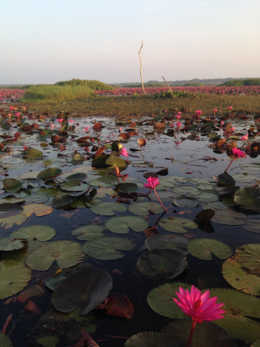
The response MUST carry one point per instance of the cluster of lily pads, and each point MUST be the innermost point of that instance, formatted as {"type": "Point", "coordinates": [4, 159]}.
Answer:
{"type": "Point", "coordinates": [48, 167]}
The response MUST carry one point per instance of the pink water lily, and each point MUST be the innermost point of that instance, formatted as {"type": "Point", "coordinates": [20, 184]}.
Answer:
{"type": "Point", "coordinates": [178, 117]}
{"type": "Point", "coordinates": [178, 125]}
{"type": "Point", "coordinates": [237, 153]}
{"type": "Point", "coordinates": [230, 107]}
{"type": "Point", "coordinates": [52, 126]}
{"type": "Point", "coordinates": [198, 112]}
{"type": "Point", "coordinates": [215, 110]}
{"type": "Point", "coordinates": [179, 113]}
{"type": "Point", "coordinates": [152, 183]}
{"type": "Point", "coordinates": [86, 129]}
{"type": "Point", "coordinates": [244, 138]}
{"type": "Point", "coordinates": [60, 120]}
{"type": "Point", "coordinates": [200, 307]}
{"type": "Point", "coordinates": [124, 152]}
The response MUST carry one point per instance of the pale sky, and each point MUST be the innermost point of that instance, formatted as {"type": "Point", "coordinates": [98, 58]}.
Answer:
{"type": "Point", "coordinates": [45, 41]}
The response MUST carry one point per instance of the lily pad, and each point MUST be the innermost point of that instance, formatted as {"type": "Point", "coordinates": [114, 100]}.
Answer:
{"type": "Point", "coordinates": [240, 278]}
{"type": "Point", "coordinates": [164, 196]}
{"type": "Point", "coordinates": [49, 173]}
{"type": "Point", "coordinates": [32, 154]}
{"type": "Point", "coordinates": [166, 241]}
{"type": "Point", "coordinates": [207, 334]}
{"type": "Point", "coordinates": [11, 244]}
{"type": "Point", "coordinates": [185, 189]}
{"type": "Point", "coordinates": [256, 344]}
{"type": "Point", "coordinates": [66, 253]}
{"type": "Point", "coordinates": [248, 197]}
{"type": "Point", "coordinates": [204, 216]}
{"type": "Point", "coordinates": [74, 186]}
{"type": "Point", "coordinates": [186, 202]}
{"type": "Point", "coordinates": [106, 181]}
{"type": "Point", "coordinates": [249, 256]}
{"type": "Point", "coordinates": [77, 176]}
{"type": "Point", "coordinates": [113, 161]}
{"type": "Point", "coordinates": [107, 208]}
{"type": "Point", "coordinates": [143, 208]}
{"type": "Point", "coordinates": [167, 263]}
{"type": "Point", "coordinates": [239, 308]}
{"type": "Point", "coordinates": [121, 225]}
{"type": "Point", "coordinates": [61, 200]}
{"type": "Point", "coordinates": [5, 341]}
{"type": "Point", "coordinates": [229, 217]}
{"type": "Point", "coordinates": [177, 225]}
{"type": "Point", "coordinates": [9, 222]}
{"type": "Point", "coordinates": [253, 225]}
{"type": "Point", "coordinates": [126, 187]}
{"type": "Point", "coordinates": [48, 341]}
{"type": "Point", "coordinates": [32, 232]}
{"type": "Point", "coordinates": [11, 185]}
{"type": "Point", "coordinates": [204, 248]}
{"type": "Point", "coordinates": [89, 232]}
{"type": "Point", "coordinates": [86, 289]}
{"type": "Point", "coordinates": [9, 209]}
{"type": "Point", "coordinates": [105, 248]}
{"type": "Point", "coordinates": [14, 276]}
{"type": "Point", "coordinates": [225, 179]}
{"type": "Point", "coordinates": [208, 196]}
{"type": "Point", "coordinates": [153, 339]}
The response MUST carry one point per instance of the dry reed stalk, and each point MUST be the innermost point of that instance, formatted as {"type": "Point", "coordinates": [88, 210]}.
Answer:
{"type": "Point", "coordinates": [168, 87]}
{"type": "Point", "coordinates": [141, 67]}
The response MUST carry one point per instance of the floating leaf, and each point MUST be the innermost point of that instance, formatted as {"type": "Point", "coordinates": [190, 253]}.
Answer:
{"type": "Point", "coordinates": [186, 202]}
{"type": "Point", "coordinates": [249, 256]}
{"type": "Point", "coordinates": [177, 225]}
{"type": "Point", "coordinates": [240, 278]}
{"type": "Point", "coordinates": [207, 334]}
{"type": "Point", "coordinates": [74, 186]}
{"type": "Point", "coordinates": [248, 197]}
{"type": "Point", "coordinates": [100, 161]}
{"type": "Point", "coordinates": [10, 244]}
{"type": "Point", "coordinates": [164, 196]}
{"type": "Point", "coordinates": [107, 208]}
{"type": "Point", "coordinates": [229, 217]}
{"type": "Point", "coordinates": [208, 196]}
{"type": "Point", "coordinates": [202, 249]}
{"type": "Point", "coordinates": [121, 225]}
{"type": "Point", "coordinates": [160, 299]}
{"type": "Point", "coordinates": [66, 253]}
{"type": "Point", "coordinates": [143, 208]}
{"type": "Point", "coordinates": [225, 179]}
{"type": "Point", "coordinates": [166, 241]}
{"type": "Point", "coordinates": [253, 225]}
{"type": "Point", "coordinates": [39, 232]}
{"type": "Point", "coordinates": [5, 341]}
{"type": "Point", "coordinates": [77, 176]}
{"type": "Point", "coordinates": [49, 174]}
{"type": "Point", "coordinates": [106, 248]}
{"type": "Point", "coordinates": [61, 200]}
{"type": "Point", "coordinates": [113, 161]}
{"type": "Point", "coordinates": [86, 289]}
{"type": "Point", "coordinates": [32, 154]}
{"type": "Point", "coordinates": [14, 276]}
{"type": "Point", "coordinates": [89, 232]}
{"type": "Point", "coordinates": [40, 210]}
{"type": "Point", "coordinates": [48, 341]}
{"type": "Point", "coordinates": [153, 339]}
{"type": "Point", "coordinates": [239, 307]}
{"type": "Point", "coordinates": [167, 263]}
{"type": "Point", "coordinates": [126, 187]}
{"type": "Point", "coordinates": [256, 344]}
{"type": "Point", "coordinates": [9, 222]}
{"type": "Point", "coordinates": [11, 185]}
{"type": "Point", "coordinates": [9, 209]}
{"type": "Point", "coordinates": [204, 216]}
{"type": "Point", "coordinates": [106, 181]}
{"type": "Point", "coordinates": [185, 189]}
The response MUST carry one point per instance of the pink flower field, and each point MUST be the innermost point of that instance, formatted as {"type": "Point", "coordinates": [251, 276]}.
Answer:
{"type": "Point", "coordinates": [7, 94]}
{"type": "Point", "coordinates": [245, 90]}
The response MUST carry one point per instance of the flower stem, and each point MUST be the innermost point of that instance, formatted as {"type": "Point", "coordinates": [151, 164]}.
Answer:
{"type": "Point", "coordinates": [160, 201]}
{"type": "Point", "coordinates": [191, 333]}
{"type": "Point", "coordinates": [229, 165]}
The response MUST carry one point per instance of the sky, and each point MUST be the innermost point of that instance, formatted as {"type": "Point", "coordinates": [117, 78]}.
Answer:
{"type": "Point", "coordinates": [46, 41]}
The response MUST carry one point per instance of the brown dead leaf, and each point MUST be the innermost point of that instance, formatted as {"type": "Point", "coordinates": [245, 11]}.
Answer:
{"type": "Point", "coordinates": [40, 210]}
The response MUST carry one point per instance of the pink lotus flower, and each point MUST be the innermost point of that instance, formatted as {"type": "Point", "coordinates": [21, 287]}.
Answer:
{"type": "Point", "coordinates": [215, 110]}
{"type": "Point", "coordinates": [86, 129]}
{"type": "Point", "coordinates": [222, 122]}
{"type": "Point", "coordinates": [179, 113]}
{"type": "Point", "coordinates": [18, 114]}
{"type": "Point", "coordinates": [52, 126]}
{"type": "Point", "coordinates": [165, 111]}
{"type": "Point", "coordinates": [199, 307]}
{"type": "Point", "coordinates": [124, 152]}
{"type": "Point", "coordinates": [244, 138]}
{"type": "Point", "coordinates": [24, 108]}
{"type": "Point", "coordinates": [152, 184]}
{"type": "Point", "coordinates": [178, 117]}
{"type": "Point", "coordinates": [198, 112]}
{"type": "Point", "coordinates": [230, 107]}
{"type": "Point", "coordinates": [178, 125]}
{"type": "Point", "coordinates": [60, 120]}
{"type": "Point", "coordinates": [238, 154]}
{"type": "Point", "coordinates": [233, 129]}
{"type": "Point", "coordinates": [11, 108]}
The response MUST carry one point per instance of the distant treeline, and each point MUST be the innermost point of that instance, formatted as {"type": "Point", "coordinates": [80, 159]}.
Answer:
{"type": "Point", "coordinates": [247, 82]}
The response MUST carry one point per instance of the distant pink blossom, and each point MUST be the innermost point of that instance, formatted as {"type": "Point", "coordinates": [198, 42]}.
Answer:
{"type": "Point", "coordinates": [222, 122]}
{"type": "Point", "coordinates": [178, 125]}
{"type": "Point", "coordinates": [178, 117]}
{"type": "Point", "coordinates": [230, 107]}
{"type": "Point", "coordinates": [179, 113]}
{"type": "Point", "coordinates": [152, 182]}
{"type": "Point", "coordinates": [215, 110]}
{"type": "Point", "coordinates": [86, 129]}
{"type": "Point", "coordinates": [198, 112]}
{"type": "Point", "coordinates": [124, 152]}
{"type": "Point", "coordinates": [244, 138]}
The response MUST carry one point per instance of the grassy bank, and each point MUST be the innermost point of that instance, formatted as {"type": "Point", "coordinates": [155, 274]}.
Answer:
{"type": "Point", "coordinates": [55, 94]}
{"type": "Point", "coordinates": [130, 106]}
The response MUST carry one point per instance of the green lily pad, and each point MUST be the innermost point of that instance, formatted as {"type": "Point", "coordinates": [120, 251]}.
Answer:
{"type": "Point", "coordinates": [177, 225]}
{"type": "Point", "coordinates": [14, 276]}
{"type": "Point", "coordinates": [229, 217]}
{"type": "Point", "coordinates": [48, 341]}
{"type": "Point", "coordinates": [49, 174]}
{"type": "Point", "coordinates": [77, 176]}
{"type": "Point", "coordinates": [74, 186]}
{"type": "Point", "coordinates": [107, 208]}
{"type": "Point", "coordinates": [166, 241]}
{"type": "Point", "coordinates": [253, 225]}
{"type": "Point", "coordinates": [153, 339]}
{"type": "Point", "coordinates": [167, 263]}
{"type": "Point", "coordinates": [112, 162]}
{"type": "Point", "coordinates": [208, 196]}
{"type": "Point", "coordinates": [239, 308]}
{"type": "Point", "coordinates": [9, 222]}
{"type": "Point", "coordinates": [143, 208]}
{"type": "Point", "coordinates": [121, 225]}
{"type": "Point", "coordinates": [5, 341]}
{"type": "Point", "coordinates": [86, 289]}
{"type": "Point", "coordinates": [185, 189]}
{"type": "Point", "coordinates": [160, 300]}
{"type": "Point", "coordinates": [77, 158]}
{"type": "Point", "coordinates": [207, 334]}
{"type": "Point", "coordinates": [225, 179]}
{"type": "Point", "coordinates": [10, 244]}
{"type": "Point", "coordinates": [49, 192]}
{"type": "Point", "coordinates": [89, 232]}
{"type": "Point", "coordinates": [105, 181]}
{"type": "Point", "coordinates": [39, 232]}
{"type": "Point", "coordinates": [164, 196]}
{"type": "Point", "coordinates": [100, 161]}
{"type": "Point", "coordinates": [186, 202]}
{"type": "Point", "coordinates": [105, 248]}
{"type": "Point", "coordinates": [126, 187]}
{"type": "Point", "coordinates": [256, 344]}
{"type": "Point", "coordinates": [249, 256]}
{"type": "Point", "coordinates": [204, 216]}
{"type": "Point", "coordinates": [240, 278]}
{"type": "Point", "coordinates": [248, 197]}
{"type": "Point", "coordinates": [204, 248]}
{"type": "Point", "coordinates": [32, 154]}
{"type": "Point", "coordinates": [61, 200]}
{"type": "Point", "coordinates": [66, 253]}
{"type": "Point", "coordinates": [11, 185]}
